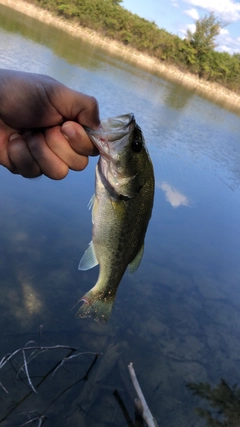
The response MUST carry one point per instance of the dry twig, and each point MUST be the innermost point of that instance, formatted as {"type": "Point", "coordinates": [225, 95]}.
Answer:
{"type": "Point", "coordinates": [141, 403]}
{"type": "Point", "coordinates": [35, 350]}
{"type": "Point", "coordinates": [40, 420]}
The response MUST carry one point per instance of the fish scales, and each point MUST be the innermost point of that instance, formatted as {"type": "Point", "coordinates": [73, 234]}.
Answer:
{"type": "Point", "coordinates": [122, 206]}
{"type": "Point", "coordinates": [126, 231]}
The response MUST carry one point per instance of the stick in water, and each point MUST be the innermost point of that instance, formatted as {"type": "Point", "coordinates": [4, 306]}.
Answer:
{"type": "Point", "coordinates": [141, 404]}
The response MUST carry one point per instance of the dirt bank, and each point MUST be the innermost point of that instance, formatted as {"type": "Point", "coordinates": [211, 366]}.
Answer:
{"type": "Point", "coordinates": [212, 91]}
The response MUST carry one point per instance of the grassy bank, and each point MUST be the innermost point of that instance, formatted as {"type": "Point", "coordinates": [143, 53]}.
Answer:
{"type": "Point", "coordinates": [211, 90]}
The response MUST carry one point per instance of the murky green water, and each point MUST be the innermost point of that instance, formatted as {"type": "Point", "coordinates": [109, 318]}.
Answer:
{"type": "Point", "coordinates": [177, 318]}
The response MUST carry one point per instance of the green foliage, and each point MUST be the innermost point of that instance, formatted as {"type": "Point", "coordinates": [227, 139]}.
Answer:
{"type": "Point", "coordinates": [224, 400]}
{"type": "Point", "coordinates": [195, 54]}
{"type": "Point", "coordinates": [207, 29]}
{"type": "Point", "coordinates": [203, 41]}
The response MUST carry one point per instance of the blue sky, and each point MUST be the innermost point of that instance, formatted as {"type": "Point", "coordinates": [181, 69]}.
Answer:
{"type": "Point", "coordinates": [176, 16]}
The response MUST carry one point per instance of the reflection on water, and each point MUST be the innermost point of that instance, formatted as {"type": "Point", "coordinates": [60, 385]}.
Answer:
{"type": "Point", "coordinates": [177, 317]}
{"type": "Point", "coordinates": [61, 44]}
{"type": "Point", "coordinates": [178, 97]}
{"type": "Point", "coordinates": [173, 196]}
{"type": "Point", "coordinates": [225, 401]}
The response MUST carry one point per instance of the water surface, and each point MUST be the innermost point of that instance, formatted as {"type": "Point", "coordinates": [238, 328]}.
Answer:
{"type": "Point", "coordinates": [177, 317]}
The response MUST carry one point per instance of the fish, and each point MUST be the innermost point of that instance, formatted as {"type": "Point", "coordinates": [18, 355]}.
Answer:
{"type": "Point", "coordinates": [121, 210]}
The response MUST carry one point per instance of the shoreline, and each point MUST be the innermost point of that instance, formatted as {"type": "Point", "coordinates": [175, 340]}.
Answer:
{"type": "Point", "coordinates": [212, 91]}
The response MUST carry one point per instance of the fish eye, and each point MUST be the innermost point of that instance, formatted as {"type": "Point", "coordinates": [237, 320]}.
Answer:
{"type": "Point", "coordinates": [137, 145]}
{"type": "Point", "coordinates": [137, 141]}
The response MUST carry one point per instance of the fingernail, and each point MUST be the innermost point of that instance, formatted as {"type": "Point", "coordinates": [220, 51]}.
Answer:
{"type": "Point", "coordinates": [68, 131]}
{"type": "Point", "coordinates": [13, 136]}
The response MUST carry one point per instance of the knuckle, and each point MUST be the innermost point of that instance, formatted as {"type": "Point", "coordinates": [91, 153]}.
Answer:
{"type": "Point", "coordinates": [94, 105]}
{"type": "Point", "coordinates": [52, 136]}
{"type": "Point", "coordinates": [93, 102]}
{"type": "Point", "coordinates": [59, 173]}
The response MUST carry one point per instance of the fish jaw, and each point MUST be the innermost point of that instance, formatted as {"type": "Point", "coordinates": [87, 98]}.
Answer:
{"type": "Point", "coordinates": [120, 164]}
{"type": "Point", "coordinates": [112, 135]}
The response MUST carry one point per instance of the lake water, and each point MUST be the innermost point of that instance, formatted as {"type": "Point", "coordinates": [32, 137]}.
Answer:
{"type": "Point", "coordinates": [177, 318]}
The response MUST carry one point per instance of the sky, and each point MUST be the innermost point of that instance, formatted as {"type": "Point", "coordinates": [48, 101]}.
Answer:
{"type": "Point", "coordinates": [176, 16]}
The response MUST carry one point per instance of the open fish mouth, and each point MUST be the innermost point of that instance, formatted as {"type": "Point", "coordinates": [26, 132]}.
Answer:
{"type": "Point", "coordinates": [118, 124]}
{"type": "Point", "coordinates": [111, 130]}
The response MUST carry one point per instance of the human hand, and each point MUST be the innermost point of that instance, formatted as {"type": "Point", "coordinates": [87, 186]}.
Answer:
{"type": "Point", "coordinates": [41, 125]}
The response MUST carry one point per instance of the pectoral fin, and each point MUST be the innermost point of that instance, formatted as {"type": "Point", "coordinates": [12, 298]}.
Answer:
{"type": "Point", "coordinates": [93, 204]}
{"type": "Point", "coordinates": [88, 259]}
{"type": "Point", "coordinates": [133, 266]}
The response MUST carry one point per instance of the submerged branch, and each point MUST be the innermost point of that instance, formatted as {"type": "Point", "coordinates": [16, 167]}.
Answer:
{"type": "Point", "coordinates": [141, 403]}
{"type": "Point", "coordinates": [6, 358]}
{"type": "Point", "coordinates": [36, 350]}
{"type": "Point", "coordinates": [42, 417]}
{"type": "Point", "coordinates": [123, 408]}
{"type": "Point", "coordinates": [40, 420]}
{"type": "Point", "coordinates": [27, 373]}
{"type": "Point", "coordinates": [67, 358]}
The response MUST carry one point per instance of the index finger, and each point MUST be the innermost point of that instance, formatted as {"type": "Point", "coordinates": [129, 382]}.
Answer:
{"type": "Point", "coordinates": [77, 106]}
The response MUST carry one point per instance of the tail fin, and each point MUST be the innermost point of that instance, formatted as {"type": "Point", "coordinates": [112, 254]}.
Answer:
{"type": "Point", "coordinates": [97, 306]}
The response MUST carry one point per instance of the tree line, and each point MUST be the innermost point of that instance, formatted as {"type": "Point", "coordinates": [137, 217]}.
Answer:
{"type": "Point", "coordinates": [196, 53]}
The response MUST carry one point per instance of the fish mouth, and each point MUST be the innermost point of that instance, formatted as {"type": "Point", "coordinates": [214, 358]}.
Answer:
{"type": "Point", "coordinates": [119, 124]}
{"type": "Point", "coordinates": [110, 130]}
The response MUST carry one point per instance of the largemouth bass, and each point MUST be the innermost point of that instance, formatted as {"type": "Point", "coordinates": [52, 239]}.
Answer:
{"type": "Point", "coordinates": [121, 209]}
